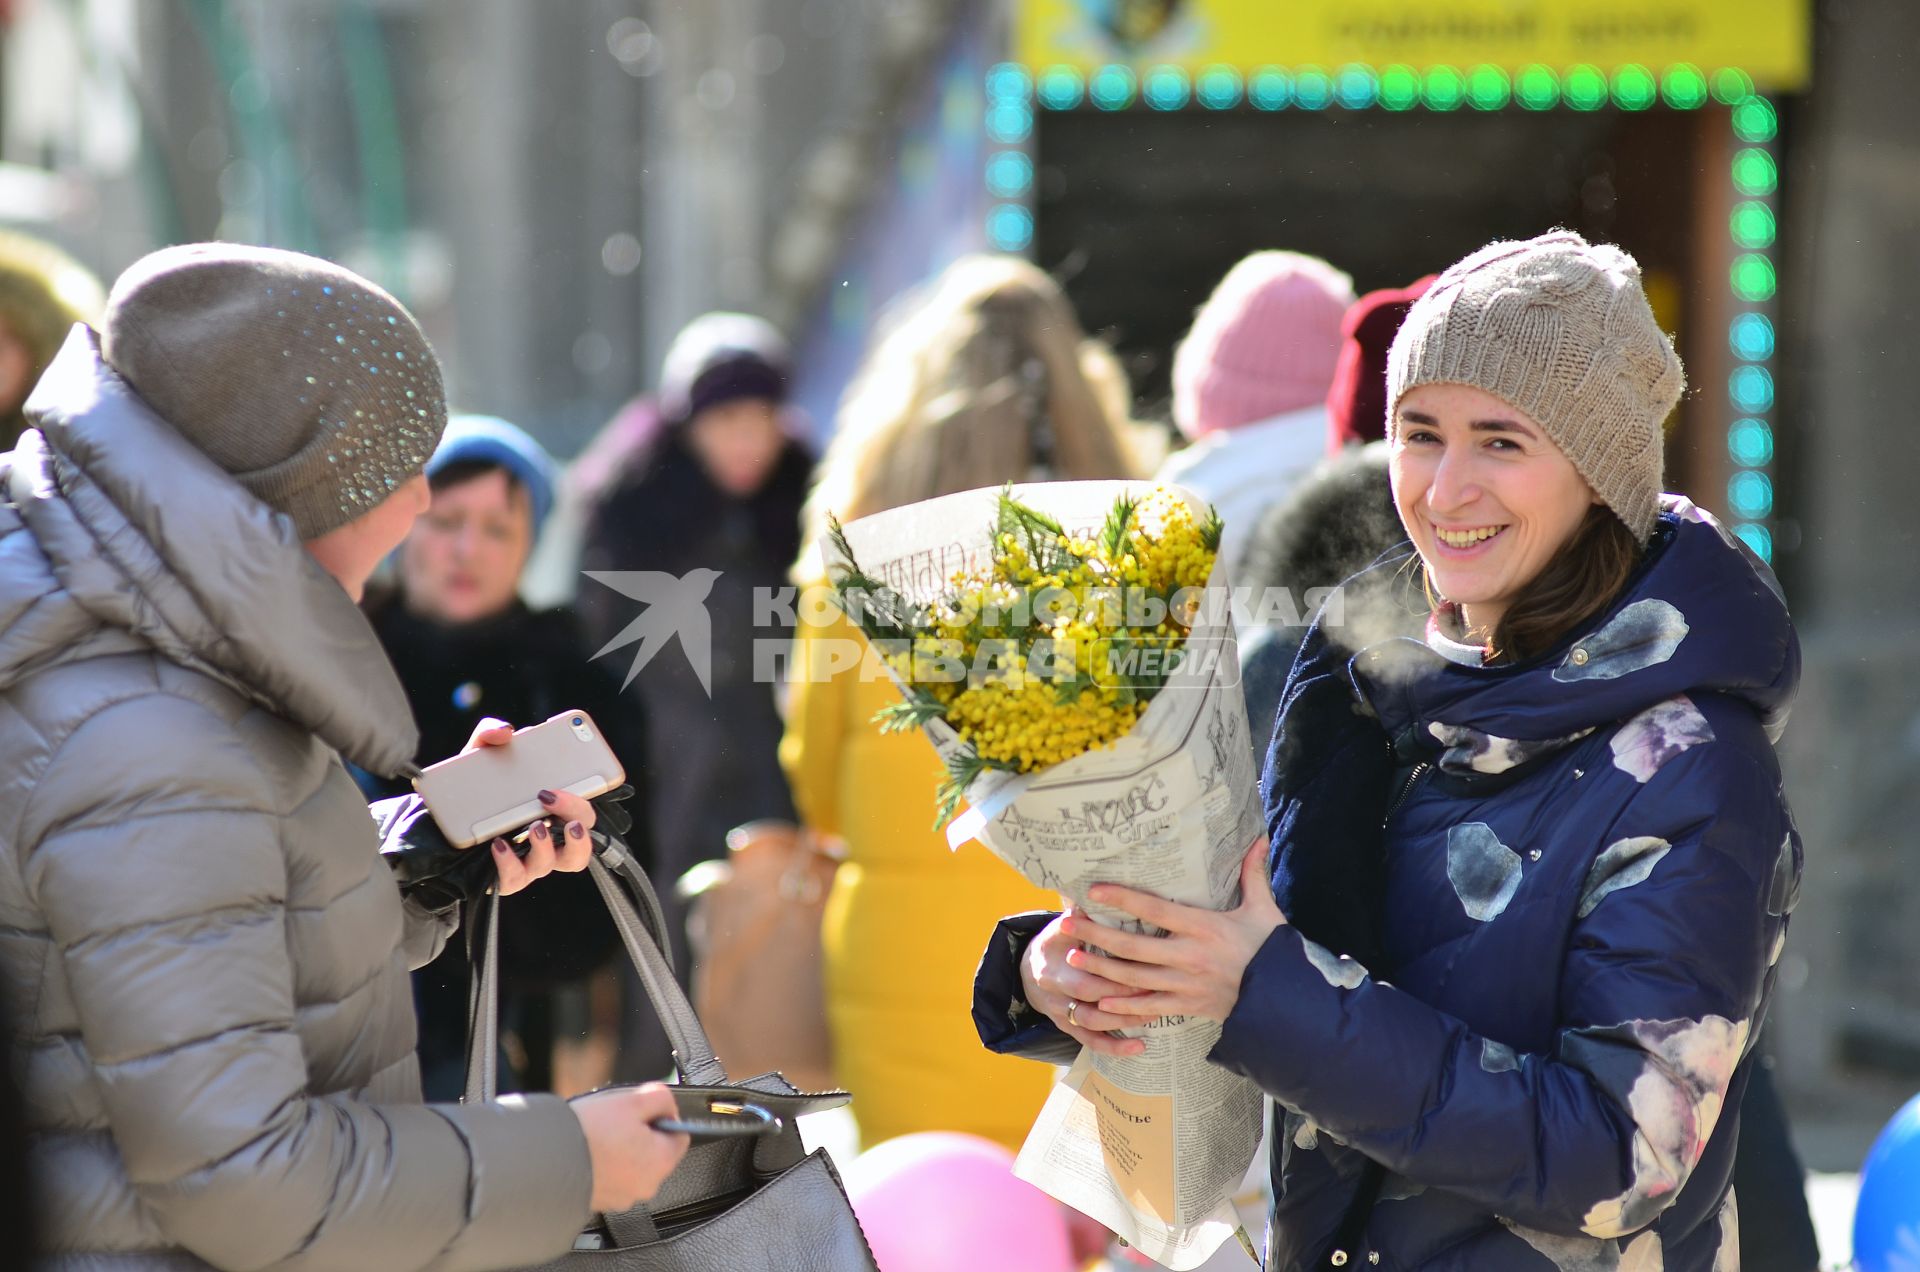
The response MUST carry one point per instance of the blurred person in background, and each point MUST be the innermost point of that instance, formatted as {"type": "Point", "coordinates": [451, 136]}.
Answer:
{"type": "Point", "coordinates": [986, 378]}
{"type": "Point", "coordinates": [207, 951]}
{"type": "Point", "coordinates": [1250, 386]}
{"type": "Point", "coordinates": [1357, 399]}
{"type": "Point", "coordinates": [711, 480]}
{"type": "Point", "coordinates": [468, 649]}
{"type": "Point", "coordinates": [1340, 518]}
{"type": "Point", "coordinates": [43, 292]}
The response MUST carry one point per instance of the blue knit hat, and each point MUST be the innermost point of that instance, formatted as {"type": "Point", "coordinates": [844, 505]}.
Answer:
{"type": "Point", "coordinates": [486, 439]}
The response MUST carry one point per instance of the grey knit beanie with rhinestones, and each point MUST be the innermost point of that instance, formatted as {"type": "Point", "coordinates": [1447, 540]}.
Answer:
{"type": "Point", "coordinates": [314, 388]}
{"type": "Point", "coordinates": [1561, 329]}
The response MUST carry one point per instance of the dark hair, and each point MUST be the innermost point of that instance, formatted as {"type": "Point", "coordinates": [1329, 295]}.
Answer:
{"type": "Point", "coordinates": [462, 471]}
{"type": "Point", "coordinates": [1582, 579]}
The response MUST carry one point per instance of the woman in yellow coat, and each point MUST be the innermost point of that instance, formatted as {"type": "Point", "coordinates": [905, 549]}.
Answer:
{"type": "Point", "coordinates": [987, 379]}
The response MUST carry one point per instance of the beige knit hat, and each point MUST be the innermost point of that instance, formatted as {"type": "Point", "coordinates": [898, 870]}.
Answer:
{"type": "Point", "coordinates": [314, 388]}
{"type": "Point", "coordinates": [1560, 328]}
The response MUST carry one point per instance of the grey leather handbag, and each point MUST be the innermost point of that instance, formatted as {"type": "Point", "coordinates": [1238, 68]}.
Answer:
{"type": "Point", "coordinates": [747, 1197]}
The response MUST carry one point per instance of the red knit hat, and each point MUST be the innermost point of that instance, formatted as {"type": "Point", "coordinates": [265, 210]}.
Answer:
{"type": "Point", "coordinates": [1357, 402]}
{"type": "Point", "coordinates": [1264, 343]}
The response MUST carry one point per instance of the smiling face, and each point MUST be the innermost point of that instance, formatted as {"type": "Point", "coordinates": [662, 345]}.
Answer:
{"type": "Point", "coordinates": [1484, 493]}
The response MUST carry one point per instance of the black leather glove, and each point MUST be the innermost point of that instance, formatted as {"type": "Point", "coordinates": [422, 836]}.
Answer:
{"type": "Point", "coordinates": [438, 876]}
{"type": "Point", "coordinates": [430, 871]}
{"type": "Point", "coordinates": [610, 812]}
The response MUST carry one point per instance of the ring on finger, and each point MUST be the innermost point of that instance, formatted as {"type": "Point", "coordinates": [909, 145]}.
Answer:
{"type": "Point", "coordinates": [1073, 1005]}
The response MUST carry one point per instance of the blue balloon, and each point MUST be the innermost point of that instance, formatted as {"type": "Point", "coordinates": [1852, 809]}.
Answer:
{"type": "Point", "coordinates": [1886, 1224]}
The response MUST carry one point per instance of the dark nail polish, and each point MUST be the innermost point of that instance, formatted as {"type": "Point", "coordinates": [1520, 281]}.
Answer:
{"type": "Point", "coordinates": [539, 830]}
{"type": "Point", "coordinates": [576, 830]}
{"type": "Point", "coordinates": [500, 846]}
{"type": "Point", "coordinates": [548, 797]}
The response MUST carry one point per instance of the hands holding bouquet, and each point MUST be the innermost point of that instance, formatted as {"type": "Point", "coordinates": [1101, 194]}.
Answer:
{"type": "Point", "coordinates": [1090, 978]}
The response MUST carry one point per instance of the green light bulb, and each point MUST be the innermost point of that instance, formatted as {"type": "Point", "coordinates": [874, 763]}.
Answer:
{"type": "Point", "coordinates": [1754, 172]}
{"type": "Point", "coordinates": [1269, 88]}
{"type": "Point", "coordinates": [1008, 79]}
{"type": "Point", "coordinates": [1759, 538]}
{"type": "Point", "coordinates": [1165, 88]}
{"type": "Point", "coordinates": [1750, 442]}
{"type": "Point", "coordinates": [1111, 87]}
{"type": "Point", "coordinates": [1633, 87]}
{"type": "Point", "coordinates": [1445, 89]}
{"type": "Point", "coordinates": [1060, 88]}
{"type": "Point", "coordinates": [1009, 122]}
{"type": "Point", "coordinates": [1009, 174]}
{"type": "Point", "coordinates": [1750, 336]}
{"type": "Point", "coordinates": [1684, 88]}
{"type": "Point", "coordinates": [1731, 85]}
{"type": "Point", "coordinates": [1537, 87]}
{"type": "Point", "coordinates": [1312, 90]}
{"type": "Point", "coordinates": [1585, 88]}
{"type": "Point", "coordinates": [1750, 388]}
{"type": "Point", "coordinates": [1752, 277]}
{"type": "Point", "coordinates": [1752, 225]}
{"type": "Point", "coordinates": [1399, 87]}
{"type": "Point", "coordinates": [1750, 494]}
{"type": "Point", "coordinates": [1218, 88]}
{"type": "Point", "coordinates": [1355, 87]}
{"type": "Point", "coordinates": [1754, 120]}
{"type": "Point", "coordinates": [1010, 228]}
{"type": "Point", "coordinates": [1487, 88]}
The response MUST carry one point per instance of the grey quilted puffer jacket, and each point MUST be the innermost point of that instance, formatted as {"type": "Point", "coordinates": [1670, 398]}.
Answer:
{"type": "Point", "coordinates": [204, 955]}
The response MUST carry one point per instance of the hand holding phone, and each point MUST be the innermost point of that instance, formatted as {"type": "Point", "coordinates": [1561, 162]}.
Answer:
{"type": "Point", "coordinates": [493, 788]}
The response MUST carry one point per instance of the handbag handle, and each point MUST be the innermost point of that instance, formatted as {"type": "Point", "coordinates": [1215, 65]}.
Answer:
{"type": "Point", "coordinates": [641, 928]}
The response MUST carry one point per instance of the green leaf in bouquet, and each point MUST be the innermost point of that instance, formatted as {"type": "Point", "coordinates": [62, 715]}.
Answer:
{"type": "Point", "coordinates": [916, 709]}
{"type": "Point", "coordinates": [1121, 653]}
{"type": "Point", "coordinates": [964, 767]}
{"type": "Point", "coordinates": [1067, 691]}
{"type": "Point", "coordinates": [1114, 536]}
{"type": "Point", "coordinates": [1211, 529]}
{"type": "Point", "coordinates": [1044, 538]}
{"type": "Point", "coordinates": [881, 613]}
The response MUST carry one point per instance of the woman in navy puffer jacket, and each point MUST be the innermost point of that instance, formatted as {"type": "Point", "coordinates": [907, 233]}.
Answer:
{"type": "Point", "coordinates": [1531, 861]}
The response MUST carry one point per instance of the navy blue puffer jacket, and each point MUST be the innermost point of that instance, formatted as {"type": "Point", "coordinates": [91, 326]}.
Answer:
{"type": "Point", "coordinates": [1511, 1029]}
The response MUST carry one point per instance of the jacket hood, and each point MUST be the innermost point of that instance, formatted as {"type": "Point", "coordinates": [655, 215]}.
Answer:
{"type": "Point", "coordinates": [1702, 614]}
{"type": "Point", "coordinates": [117, 535]}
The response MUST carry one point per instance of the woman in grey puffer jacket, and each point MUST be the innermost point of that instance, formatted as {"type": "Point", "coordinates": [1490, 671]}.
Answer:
{"type": "Point", "coordinates": [204, 954]}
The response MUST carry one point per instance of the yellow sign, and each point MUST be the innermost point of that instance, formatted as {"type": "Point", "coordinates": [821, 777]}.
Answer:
{"type": "Point", "coordinates": [1767, 39]}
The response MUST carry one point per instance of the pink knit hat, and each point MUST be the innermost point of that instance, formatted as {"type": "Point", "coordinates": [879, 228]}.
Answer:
{"type": "Point", "coordinates": [1265, 343]}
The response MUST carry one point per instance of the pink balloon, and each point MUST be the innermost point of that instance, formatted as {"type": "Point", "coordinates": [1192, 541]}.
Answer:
{"type": "Point", "coordinates": [940, 1201]}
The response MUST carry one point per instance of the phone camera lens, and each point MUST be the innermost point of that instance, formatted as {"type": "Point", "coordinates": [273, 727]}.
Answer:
{"type": "Point", "coordinates": [579, 720]}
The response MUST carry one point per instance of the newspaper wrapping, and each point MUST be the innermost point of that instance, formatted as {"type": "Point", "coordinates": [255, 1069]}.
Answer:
{"type": "Point", "coordinates": [1154, 1146]}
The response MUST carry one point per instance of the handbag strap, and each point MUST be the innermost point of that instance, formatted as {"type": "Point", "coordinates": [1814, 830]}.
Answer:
{"type": "Point", "coordinates": [481, 922]}
{"type": "Point", "coordinates": [697, 1063]}
{"type": "Point", "coordinates": [642, 930]}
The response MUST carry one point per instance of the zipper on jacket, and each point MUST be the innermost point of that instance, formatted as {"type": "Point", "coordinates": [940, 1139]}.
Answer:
{"type": "Point", "coordinates": [1413, 779]}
